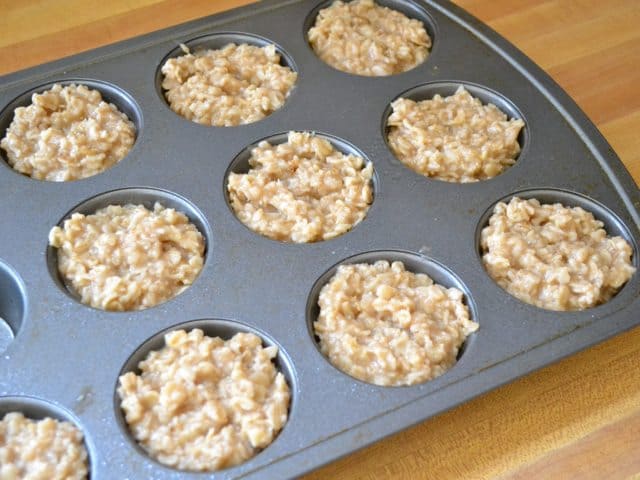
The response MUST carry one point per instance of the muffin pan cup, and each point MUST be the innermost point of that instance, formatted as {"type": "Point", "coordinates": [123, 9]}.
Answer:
{"type": "Point", "coordinates": [36, 409]}
{"type": "Point", "coordinates": [70, 355]}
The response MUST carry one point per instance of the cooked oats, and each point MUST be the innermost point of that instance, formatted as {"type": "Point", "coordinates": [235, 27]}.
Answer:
{"type": "Point", "coordinates": [234, 85]}
{"type": "Point", "coordinates": [67, 133]}
{"type": "Point", "coordinates": [388, 326]}
{"type": "Point", "coordinates": [364, 38]}
{"type": "Point", "coordinates": [202, 403]}
{"type": "Point", "coordinates": [455, 138]}
{"type": "Point", "coordinates": [127, 257]}
{"type": "Point", "coordinates": [553, 256]}
{"type": "Point", "coordinates": [41, 449]}
{"type": "Point", "coordinates": [302, 190]}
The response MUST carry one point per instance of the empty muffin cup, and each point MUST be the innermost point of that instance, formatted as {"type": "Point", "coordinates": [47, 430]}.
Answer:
{"type": "Point", "coordinates": [13, 304]}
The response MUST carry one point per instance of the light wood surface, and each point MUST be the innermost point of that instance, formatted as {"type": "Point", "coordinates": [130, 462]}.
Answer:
{"type": "Point", "coordinates": [579, 418]}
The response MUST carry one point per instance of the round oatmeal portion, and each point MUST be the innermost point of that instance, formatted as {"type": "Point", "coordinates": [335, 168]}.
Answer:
{"type": "Point", "coordinates": [364, 38]}
{"type": "Point", "coordinates": [388, 326]}
{"type": "Point", "coordinates": [231, 86]}
{"type": "Point", "coordinates": [454, 138]}
{"type": "Point", "coordinates": [553, 256]}
{"type": "Point", "coordinates": [67, 133]}
{"type": "Point", "coordinates": [202, 403]}
{"type": "Point", "coordinates": [41, 449]}
{"type": "Point", "coordinates": [303, 190]}
{"type": "Point", "coordinates": [127, 257]}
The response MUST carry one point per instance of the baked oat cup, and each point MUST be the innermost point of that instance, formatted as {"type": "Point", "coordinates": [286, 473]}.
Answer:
{"type": "Point", "coordinates": [226, 79]}
{"type": "Point", "coordinates": [205, 395]}
{"type": "Point", "coordinates": [390, 324]}
{"type": "Point", "coordinates": [370, 38]}
{"type": "Point", "coordinates": [69, 130]}
{"type": "Point", "coordinates": [39, 440]}
{"type": "Point", "coordinates": [556, 250]}
{"type": "Point", "coordinates": [300, 187]}
{"type": "Point", "coordinates": [455, 131]}
{"type": "Point", "coordinates": [129, 249]}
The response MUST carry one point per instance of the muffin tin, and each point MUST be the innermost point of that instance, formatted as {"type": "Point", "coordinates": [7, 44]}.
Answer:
{"type": "Point", "coordinates": [63, 359]}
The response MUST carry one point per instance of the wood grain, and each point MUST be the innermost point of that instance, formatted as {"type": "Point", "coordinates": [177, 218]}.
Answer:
{"type": "Point", "coordinates": [579, 418]}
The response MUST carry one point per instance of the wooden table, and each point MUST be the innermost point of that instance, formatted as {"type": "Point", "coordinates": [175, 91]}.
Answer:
{"type": "Point", "coordinates": [579, 418]}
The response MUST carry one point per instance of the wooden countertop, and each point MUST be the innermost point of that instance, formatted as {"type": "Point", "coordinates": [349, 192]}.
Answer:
{"type": "Point", "coordinates": [579, 418]}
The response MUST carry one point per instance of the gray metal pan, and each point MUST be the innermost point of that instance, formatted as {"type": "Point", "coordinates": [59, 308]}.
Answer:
{"type": "Point", "coordinates": [65, 358]}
